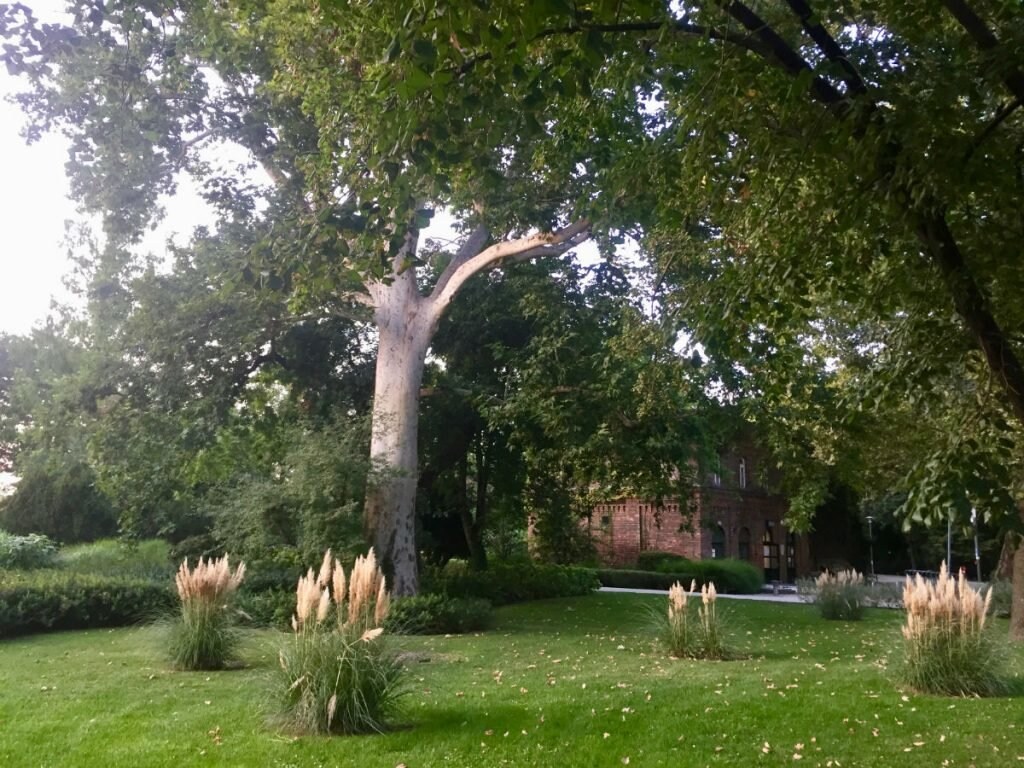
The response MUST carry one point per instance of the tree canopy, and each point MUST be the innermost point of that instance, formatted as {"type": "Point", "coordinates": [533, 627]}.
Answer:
{"type": "Point", "coordinates": [821, 186]}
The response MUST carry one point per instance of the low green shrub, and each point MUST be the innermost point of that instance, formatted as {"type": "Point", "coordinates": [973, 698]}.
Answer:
{"type": "Point", "coordinates": [336, 674]}
{"type": "Point", "coordinates": [840, 596]}
{"type": "Point", "coordinates": [46, 600]}
{"type": "Point", "coordinates": [438, 615]}
{"type": "Point", "coordinates": [269, 608]}
{"type": "Point", "coordinates": [734, 576]}
{"type": "Point", "coordinates": [505, 583]}
{"type": "Point", "coordinates": [947, 649]}
{"type": "Point", "coordinates": [663, 562]}
{"type": "Point", "coordinates": [147, 559]}
{"type": "Point", "coordinates": [26, 552]}
{"type": "Point", "coordinates": [203, 635]}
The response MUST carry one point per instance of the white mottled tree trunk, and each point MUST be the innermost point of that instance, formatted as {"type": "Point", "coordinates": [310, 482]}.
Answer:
{"type": "Point", "coordinates": [406, 321]}
{"type": "Point", "coordinates": [404, 334]}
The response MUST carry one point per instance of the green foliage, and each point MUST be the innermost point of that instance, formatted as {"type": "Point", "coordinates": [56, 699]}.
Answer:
{"type": "Point", "coordinates": [731, 576]}
{"type": "Point", "coordinates": [839, 596]}
{"type": "Point", "coordinates": [148, 559]}
{"type": "Point", "coordinates": [42, 601]}
{"type": "Point", "coordinates": [506, 583]}
{"type": "Point", "coordinates": [437, 614]}
{"type": "Point", "coordinates": [61, 502]}
{"type": "Point", "coordinates": [312, 499]}
{"type": "Point", "coordinates": [269, 607]}
{"type": "Point", "coordinates": [26, 552]}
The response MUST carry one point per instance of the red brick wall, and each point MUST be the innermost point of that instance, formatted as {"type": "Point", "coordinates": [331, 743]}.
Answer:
{"type": "Point", "coordinates": [622, 529]}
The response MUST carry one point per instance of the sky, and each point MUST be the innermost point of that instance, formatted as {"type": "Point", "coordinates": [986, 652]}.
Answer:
{"type": "Point", "coordinates": [35, 209]}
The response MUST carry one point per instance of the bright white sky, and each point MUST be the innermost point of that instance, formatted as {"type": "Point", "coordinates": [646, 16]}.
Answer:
{"type": "Point", "coordinates": [34, 209]}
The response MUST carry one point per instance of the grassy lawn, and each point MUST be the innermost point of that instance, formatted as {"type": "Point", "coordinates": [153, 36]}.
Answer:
{"type": "Point", "coordinates": [576, 682]}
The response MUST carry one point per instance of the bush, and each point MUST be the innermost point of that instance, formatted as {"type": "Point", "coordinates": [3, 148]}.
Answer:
{"type": "Point", "coordinates": [48, 600]}
{"type": "Point", "coordinates": [203, 634]}
{"type": "Point", "coordinates": [337, 675]}
{"type": "Point", "coordinates": [734, 576]}
{"type": "Point", "coordinates": [268, 608]}
{"type": "Point", "coordinates": [26, 552]}
{"type": "Point", "coordinates": [839, 596]}
{"type": "Point", "coordinates": [148, 559]}
{"type": "Point", "coordinates": [946, 647]}
{"type": "Point", "coordinates": [438, 615]}
{"type": "Point", "coordinates": [507, 583]}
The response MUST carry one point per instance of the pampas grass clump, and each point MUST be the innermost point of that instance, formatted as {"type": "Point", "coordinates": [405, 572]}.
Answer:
{"type": "Point", "coordinates": [947, 649]}
{"type": "Point", "coordinates": [687, 637]}
{"type": "Point", "coordinates": [840, 596]}
{"type": "Point", "coordinates": [203, 634]}
{"type": "Point", "coordinates": [337, 676]}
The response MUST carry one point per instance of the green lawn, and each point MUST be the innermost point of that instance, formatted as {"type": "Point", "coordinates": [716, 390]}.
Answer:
{"type": "Point", "coordinates": [576, 682]}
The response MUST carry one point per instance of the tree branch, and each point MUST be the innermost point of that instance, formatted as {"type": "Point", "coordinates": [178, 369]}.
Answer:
{"type": "Point", "coordinates": [828, 46]}
{"type": "Point", "coordinates": [1004, 112]}
{"type": "Point", "coordinates": [543, 244]}
{"type": "Point", "coordinates": [986, 41]}
{"type": "Point", "coordinates": [787, 58]}
{"type": "Point", "coordinates": [473, 245]}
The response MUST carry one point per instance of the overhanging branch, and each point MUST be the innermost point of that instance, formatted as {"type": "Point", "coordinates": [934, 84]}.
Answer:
{"type": "Point", "coordinates": [532, 246]}
{"type": "Point", "coordinates": [986, 41]}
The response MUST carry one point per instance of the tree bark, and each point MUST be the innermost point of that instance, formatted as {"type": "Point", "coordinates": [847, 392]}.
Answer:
{"type": "Point", "coordinates": [390, 505]}
{"type": "Point", "coordinates": [406, 321]}
{"type": "Point", "coordinates": [1017, 599]}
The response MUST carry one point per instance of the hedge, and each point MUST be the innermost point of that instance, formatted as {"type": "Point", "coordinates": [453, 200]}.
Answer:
{"type": "Point", "coordinates": [506, 583]}
{"type": "Point", "coordinates": [438, 615]}
{"type": "Point", "coordinates": [41, 601]}
{"type": "Point", "coordinates": [729, 576]}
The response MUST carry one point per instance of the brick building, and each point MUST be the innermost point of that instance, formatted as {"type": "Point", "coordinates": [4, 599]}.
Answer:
{"type": "Point", "coordinates": [732, 514]}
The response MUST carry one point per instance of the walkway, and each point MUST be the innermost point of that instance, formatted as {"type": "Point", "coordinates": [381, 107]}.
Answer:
{"type": "Point", "coordinates": [767, 597]}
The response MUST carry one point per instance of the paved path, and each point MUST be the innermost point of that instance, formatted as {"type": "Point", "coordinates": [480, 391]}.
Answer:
{"type": "Point", "coordinates": [768, 597]}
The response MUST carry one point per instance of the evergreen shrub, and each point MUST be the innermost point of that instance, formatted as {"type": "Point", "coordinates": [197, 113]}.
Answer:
{"type": "Point", "coordinates": [48, 600]}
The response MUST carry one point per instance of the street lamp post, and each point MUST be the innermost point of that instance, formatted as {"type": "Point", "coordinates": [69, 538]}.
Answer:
{"type": "Point", "coordinates": [871, 547]}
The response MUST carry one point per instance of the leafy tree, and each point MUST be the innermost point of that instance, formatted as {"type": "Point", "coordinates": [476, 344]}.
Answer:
{"type": "Point", "coordinates": [61, 502]}
{"type": "Point", "coordinates": [817, 156]}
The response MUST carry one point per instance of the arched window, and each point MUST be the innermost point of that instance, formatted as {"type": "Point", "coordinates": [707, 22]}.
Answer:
{"type": "Point", "coordinates": [743, 473]}
{"type": "Point", "coordinates": [790, 555]}
{"type": "Point", "coordinates": [716, 472]}
{"type": "Point", "coordinates": [770, 552]}
{"type": "Point", "coordinates": [744, 542]}
{"type": "Point", "coordinates": [718, 542]}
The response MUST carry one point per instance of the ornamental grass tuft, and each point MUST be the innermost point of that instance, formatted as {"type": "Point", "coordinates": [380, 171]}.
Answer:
{"type": "Point", "coordinates": [687, 637]}
{"type": "Point", "coordinates": [947, 649]}
{"type": "Point", "coordinates": [839, 596]}
{"type": "Point", "coordinates": [203, 635]}
{"type": "Point", "coordinates": [337, 675]}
